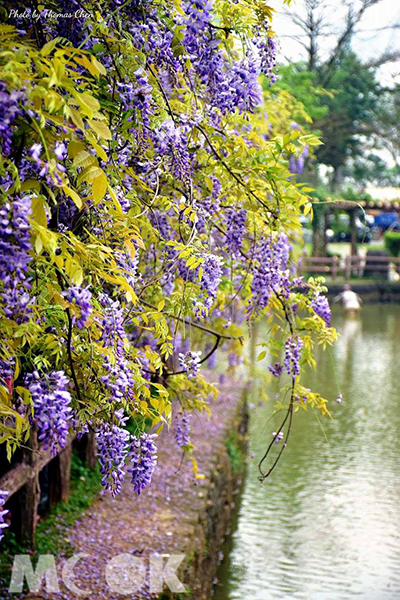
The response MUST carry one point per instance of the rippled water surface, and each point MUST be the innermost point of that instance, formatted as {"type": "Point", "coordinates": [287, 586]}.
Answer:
{"type": "Point", "coordinates": [326, 526]}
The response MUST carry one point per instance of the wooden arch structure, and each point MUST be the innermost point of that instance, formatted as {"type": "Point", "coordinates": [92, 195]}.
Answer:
{"type": "Point", "coordinates": [352, 207]}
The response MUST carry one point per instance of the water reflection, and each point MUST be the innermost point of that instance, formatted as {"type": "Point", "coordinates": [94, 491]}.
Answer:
{"type": "Point", "coordinates": [326, 525]}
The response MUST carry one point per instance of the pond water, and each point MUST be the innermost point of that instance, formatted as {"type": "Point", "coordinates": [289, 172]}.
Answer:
{"type": "Point", "coordinates": [326, 525]}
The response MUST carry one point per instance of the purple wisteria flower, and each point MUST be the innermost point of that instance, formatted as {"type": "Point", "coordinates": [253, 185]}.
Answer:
{"type": "Point", "coordinates": [212, 360]}
{"type": "Point", "coordinates": [136, 96]}
{"type": "Point", "coordinates": [293, 346]}
{"type": "Point", "coordinates": [296, 163]}
{"type": "Point", "coordinates": [270, 273]}
{"type": "Point", "coordinates": [81, 297]}
{"type": "Point", "coordinates": [6, 374]}
{"type": "Point", "coordinates": [51, 408]}
{"type": "Point", "coordinates": [234, 360]}
{"type": "Point", "coordinates": [129, 266]}
{"type": "Point", "coordinates": [10, 109]}
{"type": "Point", "coordinates": [77, 426]}
{"type": "Point", "coordinates": [119, 378]}
{"type": "Point", "coordinates": [278, 437]}
{"type": "Point", "coordinates": [112, 324]}
{"type": "Point", "coordinates": [15, 257]}
{"type": "Point", "coordinates": [3, 524]}
{"type": "Point", "coordinates": [190, 362]}
{"type": "Point", "coordinates": [60, 151]}
{"type": "Point", "coordinates": [246, 88]}
{"type": "Point", "coordinates": [267, 48]}
{"type": "Point", "coordinates": [320, 306]}
{"type": "Point", "coordinates": [170, 141]}
{"type": "Point", "coordinates": [276, 369]}
{"type": "Point", "coordinates": [142, 457]}
{"type": "Point", "coordinates": [212, 276]}
{"type": "Point", "coordinates": [235, 221]}
{"type": "Point", "coordinates": [112, 449]}
{"type": "Point", "coordinates": [182, 430]}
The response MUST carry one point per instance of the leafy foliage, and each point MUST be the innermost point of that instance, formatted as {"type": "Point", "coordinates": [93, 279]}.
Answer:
{"type": "Point", "coordinates": [127, 144]}
{"type": "Point", "coordinates": [392, 242]}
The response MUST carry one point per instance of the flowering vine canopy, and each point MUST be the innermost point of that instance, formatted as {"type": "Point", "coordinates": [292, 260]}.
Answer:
{"type": "Point", "coordinates": [147, 216]}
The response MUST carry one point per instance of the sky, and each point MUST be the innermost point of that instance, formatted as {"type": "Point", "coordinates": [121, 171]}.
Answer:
{"type": "Point", "coordinates": [368, 43]}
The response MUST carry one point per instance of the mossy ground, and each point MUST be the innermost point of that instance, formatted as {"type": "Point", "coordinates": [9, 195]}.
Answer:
{"type": "Point", "coordinates": [52, 531]}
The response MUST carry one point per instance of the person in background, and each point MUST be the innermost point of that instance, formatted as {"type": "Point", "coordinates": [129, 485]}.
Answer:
{"type": "Point", "coordinates": [351, 301]}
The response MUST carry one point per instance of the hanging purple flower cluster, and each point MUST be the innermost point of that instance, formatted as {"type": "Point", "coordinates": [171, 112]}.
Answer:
{"type": "Point", "coordinates": [67, 211]}
{"type": "Point", "coordinates": [51, 408]}
{"type": "Point", "coordinates": [10, 109]}
{"type": "Point", "coordinates": [212, 360]}
{"type": "Point", "coordinates": [171, 142]}
{"type": "Point", "coordinates": [160, 221]}
{"type": "Point", "coordinates": [129, 266]}
{"type": "Point", "coordinates": [293, 346]}
{"type": "Point", "coordinates": [234, 360]}
{"type": "Point", "coordinates": [320, 306]}
{"type": "Point", "coordinates": [246, 90]}
{"type": "Point", "coordinates": [270, 275]}
{"type": "Point", "coordinates": [112, 450]}
{"type": "Point", "coordinates": [228, 87]}
{"type": "Point", "coordinates": [276, 369]}
{"type": "Point", "coordinates": [212, 276]}
{"type": "Point", "coordinates": [6, 374]}
{"type": "Point", "coordinates": [112, 325]}
{"type": "Point", "coordinates": [119, 379]}
{"type": "Point", "coordinates": [73, 29]}
{"type": "Point", "coordinates": [3, 524]}
{"type": "Point", "coordinates": [143, 460]}
{"type": "Point", "coordinates": [235, 221]}
{"type": "Point", "coordinates": [296, 163]}
{"type": "Point", "coordinates": [15, 257]}
{"type": "Point", "coordinates": [267, 49]}
{"type": "Point", "coordinates": [190, 362]}
{"type": "Point", "coordinates": [137, 96]}
{"type": "Point", "coordinates": [42, 167]}
{"type": "Point", "coordinates": [80, 297]}
{"type": "Point", "coordinates": [182, 431]}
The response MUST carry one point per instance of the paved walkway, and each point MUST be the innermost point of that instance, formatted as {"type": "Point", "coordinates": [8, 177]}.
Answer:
{"type": "Point", "coordinates": [162, 519]}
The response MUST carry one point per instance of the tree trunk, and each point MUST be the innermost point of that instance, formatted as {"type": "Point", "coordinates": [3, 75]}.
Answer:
{"type": "Point", "coordinates": [337, 179]}
{"type": "Point", "coordinates": [29, 497]}
{"type": "Point", "coordinates": [319, 248]}
{"type": "Point", "coordinates": [353, 231]}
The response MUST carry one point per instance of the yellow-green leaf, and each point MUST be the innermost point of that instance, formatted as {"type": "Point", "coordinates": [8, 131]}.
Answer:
{"type": "Point", "coordinates": [76, 118]}
{"type": "Point", "coordinates": [101, 129]}
{"type": "Point", "coordinates": [99, 187]}
{"type": "Point", "coordinates": [38, 211]}
{"type": "Point", "coordinates": [98, 66]}
{"type": "Point", "coordinates": [83, 159]}
{"type": "Point", "coordinates": [74, 196]}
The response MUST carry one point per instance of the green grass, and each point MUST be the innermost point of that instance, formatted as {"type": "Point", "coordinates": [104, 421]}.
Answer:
{"type": "Point", "coordinates": [234, 448]}
{"type": "Point", "coordinates": [343, 248]}
{"type": "Point", "coordinates": [52, 532]}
